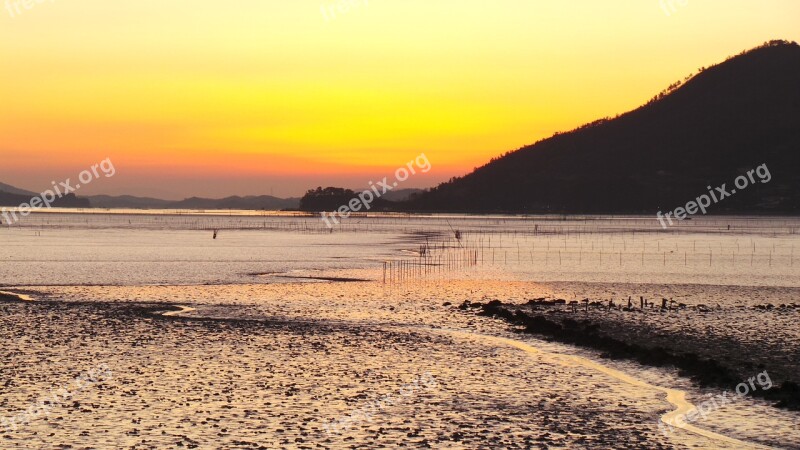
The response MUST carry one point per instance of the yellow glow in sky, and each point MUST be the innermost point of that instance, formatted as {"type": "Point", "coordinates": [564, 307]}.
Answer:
{"type": "Point", "coordinates": [218, 98]}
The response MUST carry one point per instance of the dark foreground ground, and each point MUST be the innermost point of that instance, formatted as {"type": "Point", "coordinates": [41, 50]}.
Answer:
{"type": "Point", "coordinates": [194, 382]}
{"type": "Point", "coordinates": [716, 347]}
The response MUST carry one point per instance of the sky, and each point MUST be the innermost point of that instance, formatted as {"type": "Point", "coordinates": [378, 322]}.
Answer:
{"type": "Point", "coordinates": [248, 97]}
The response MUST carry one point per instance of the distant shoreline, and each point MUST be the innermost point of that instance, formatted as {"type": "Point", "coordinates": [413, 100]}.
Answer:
{"type": "Point", "coordinates": [379, 214]}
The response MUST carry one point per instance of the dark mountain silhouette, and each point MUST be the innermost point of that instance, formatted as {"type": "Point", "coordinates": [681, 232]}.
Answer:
{"type": "Point", "coordinates": [14, 190]}
{"type": "Point", "coordinates": [401, 195]}
{"type": "Point", "coordinates": [127, 201]}
{"type": "Point", "coordinates": [11, 196]}
{"type": "Point", "coordinates": [332, 198]}
{"type": "Point", "coordinates": [67, 201]}
{"type": "Point", "coordinates": [260, 202]}
{"type": "Point", "coordinates": [726, 120]}
{"type": "Point", "coordinates": [249, 202]}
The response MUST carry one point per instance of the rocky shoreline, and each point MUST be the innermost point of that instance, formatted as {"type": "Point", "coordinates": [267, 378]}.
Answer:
{"type": "Point", "coordinates": [662, 335]}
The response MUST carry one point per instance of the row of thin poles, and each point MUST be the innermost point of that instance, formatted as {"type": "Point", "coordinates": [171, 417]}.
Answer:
{"type": "Point", "coordinates": [559, 257]}
{"type": "Point", "coordinates": [432, 260]}
{"type": "Point", "coordinates": [476, 225]}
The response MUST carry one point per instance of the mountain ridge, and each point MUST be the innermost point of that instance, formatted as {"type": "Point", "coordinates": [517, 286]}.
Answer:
{"type": "Point", "coordinates": [720, 123]}
{"type": "Point", "coordinates": [11, 196]}
{"type": "Point", "coordinates": [7, 188]}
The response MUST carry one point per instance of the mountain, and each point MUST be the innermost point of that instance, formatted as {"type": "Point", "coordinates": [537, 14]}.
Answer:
{"type": "Point", "coordinates": [262, 202]}
{"type": "Point", "coordinates": [12, 197]}
{"type": "Point", "coordinates": [333, 198]}
{"type": "Point", "coordinates": [401, 195]}
{"type": "Point", "coordinates": [67, 201]}
{"type": "Point", "coordinates": [12, 190]}
{"type": "Point", "coordinates": [250, 202]}
{"type": "Point", "coordinates": [127, 201]}
{"type": "Point", "coordinates": [706, 131]}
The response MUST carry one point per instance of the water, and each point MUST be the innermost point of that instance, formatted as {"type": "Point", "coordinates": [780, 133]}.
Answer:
{"type": "Point", "coordinates": [267, 352]}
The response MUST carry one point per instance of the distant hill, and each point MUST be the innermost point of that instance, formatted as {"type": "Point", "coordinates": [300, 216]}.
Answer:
{"type": "Point", "coordinates": [250, 202]}
{"type": "Point", "coordinates": [261, 202]}
{"type": "Point", "coordinates": [13, 190]}
{"type": "Point", "coordinates": [67, 201]}
{"type": "Point", "coordinates": [331, 199]}
{"type": "Point", "coordinates": [127, 201]}
{"type": "Point", "coordinates": [401, 195]}
{"type": "Point", "coordinates": [705, 131]}
{"type": "Point", "coordinates": [11, 196]}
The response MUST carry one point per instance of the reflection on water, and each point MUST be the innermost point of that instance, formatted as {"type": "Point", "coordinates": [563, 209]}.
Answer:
{"type": "Point", "coordinates": [235, 342]}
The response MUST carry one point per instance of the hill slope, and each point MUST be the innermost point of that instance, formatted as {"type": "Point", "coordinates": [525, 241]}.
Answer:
{"type": "Point", "coordinates": [126, 201]}
{"type": "Point", "coordinates": [16, 191]}
{"type": "Point", "coordinates": [67, 201]}
{"type": "Point", "coordinates": [728, 119]}
{"type": "Point", "coordinates": [11, 196]}
{"type": "Point", "coordinates": [260, 202]}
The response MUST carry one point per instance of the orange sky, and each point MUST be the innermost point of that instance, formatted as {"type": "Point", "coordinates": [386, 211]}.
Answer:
{"type": "Point", "coordinates": [218, 98]}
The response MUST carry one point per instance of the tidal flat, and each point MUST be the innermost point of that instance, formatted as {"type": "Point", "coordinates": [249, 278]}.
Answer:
{"type": "Point", "coordinates": [277, 334]}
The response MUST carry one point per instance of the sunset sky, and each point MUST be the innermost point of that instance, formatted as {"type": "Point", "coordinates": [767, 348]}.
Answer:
{"type": "Point", "coordinates": [217, 98]}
